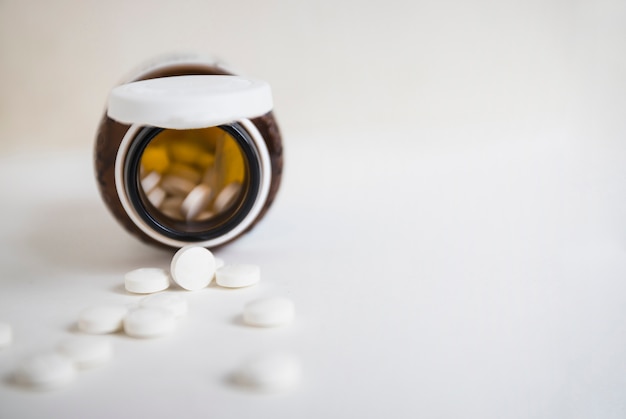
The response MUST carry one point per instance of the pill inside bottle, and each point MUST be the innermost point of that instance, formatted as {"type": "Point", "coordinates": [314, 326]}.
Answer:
{"type": "Point", "coordinates": [204, 175]}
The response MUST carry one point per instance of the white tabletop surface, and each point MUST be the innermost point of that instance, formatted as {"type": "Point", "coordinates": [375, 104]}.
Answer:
{"type": "Point", "coordinates": [435, 275]}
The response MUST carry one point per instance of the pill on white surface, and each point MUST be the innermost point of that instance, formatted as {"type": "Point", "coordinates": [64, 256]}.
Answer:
{"type": "Point", "coordinates": [269, 372]}
{"type": "Point", "coordinates": [149, 322]}
{"type": "Point", "coordinates": [196, 201]}
{"type": "Point", "coordinates": [101, 319]}
{"type": "Point", "coordinates": [86, 351]}
{"type": "Point", "coordinates": [227, 196]}
{"type": "Point", "coordinates": [269, 312]}
{"type": "Point", "coordinates": [156, 196]}
{"type": "Point", "coordinates": [146, 280]}
{"type": "Point", "coordinates": [193, 267]}
{"type": "Point", "coordinates": [6, 335]}
{"type": "Point", "coordinates": [150, 181]}
{"type": "Point", "coordinates": [45, 371]}
{"type": "Point", "coordinates": [237, 276]}
{"type": "Point", "coordinates": [169, 301]}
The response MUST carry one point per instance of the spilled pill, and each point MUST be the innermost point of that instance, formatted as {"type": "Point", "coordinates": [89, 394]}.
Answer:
{"type": "Point", "coordinates": [193, 267]}
{"type": "Point", "coordinates": [268, 312]}
{"type": "Point", "coordinates": [237, 276]}
{"type": "Point", "coordinates": [86, 351]}
{"type": "Point", "coordinates": [276, 371]}
{"type": "Point", "coordinates": [101, 319]}
{"type": "Point", "coordinates": [150, 322]}
{"type": "Point", "coordinates": [146, 280]}
{"type": "Point", "coordinates": [45, 371]}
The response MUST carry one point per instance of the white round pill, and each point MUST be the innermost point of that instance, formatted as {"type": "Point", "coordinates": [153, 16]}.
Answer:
{"type": "Point", "coordinates": [6, 335]}
{"type": "Point", "coordinates": [172, 302]}
{"type": "Point", "coordinates": [45, 371]}
{"type": "Point", "coordinates": [196, 201]}
{"type": "Point", "coordinates": [149, 322]}
{"type": "Point", "coordinates": [87, 351]}
{"type": "Point", "coordinates": [101, 319]}
{"type": "Point", "coordinates": [270, 372]}
{"type": "Point", "coordinates": [237, 276]}
{"type": "Point", "coordinates": [268, 312]}
{"type": "Point", "coordinates": [146, 280]}
{"type": "Point", "coordinates": [193, 267]}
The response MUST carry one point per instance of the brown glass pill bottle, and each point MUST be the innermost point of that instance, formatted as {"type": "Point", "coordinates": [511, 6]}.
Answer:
{"type": "Point", "coordinates": [188, 153]}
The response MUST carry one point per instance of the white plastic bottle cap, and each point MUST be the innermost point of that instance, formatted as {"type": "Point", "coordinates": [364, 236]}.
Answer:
{"type": "Point", "coordinates": [6, 335]}
{"type": "Point", "coordinates": [149, 322]}
{"type": "Point", "coordinates": [101, 319]}
{"type": "Point", "coordinates": [237, 276]}
{"type": "Point", "coordinates": [146, 280]}
{"type": "Point", "coordinates": [270, 372]}
{"type": "Point", "coordinates": [87, 351]}
{"type": "Point", "coordinates": [269, 312]}
{"type": "Point", "coordinates": [172, 302]}
{"type": "Point", "coordinates": [193, 267]}
{"type": "Point", "coordinates": [188, 102]}
{"type": "Point", "coordinates": [45, 371]}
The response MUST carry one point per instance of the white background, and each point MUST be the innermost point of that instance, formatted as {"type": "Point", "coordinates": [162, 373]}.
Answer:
{"type": "Point", "coordinates": [331, 63]}
{"type": "Point", "coordinates": [451, 224]}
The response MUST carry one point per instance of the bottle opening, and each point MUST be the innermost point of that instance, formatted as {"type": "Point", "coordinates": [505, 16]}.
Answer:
{"type": "Point", "coordinates": [193, 184]}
